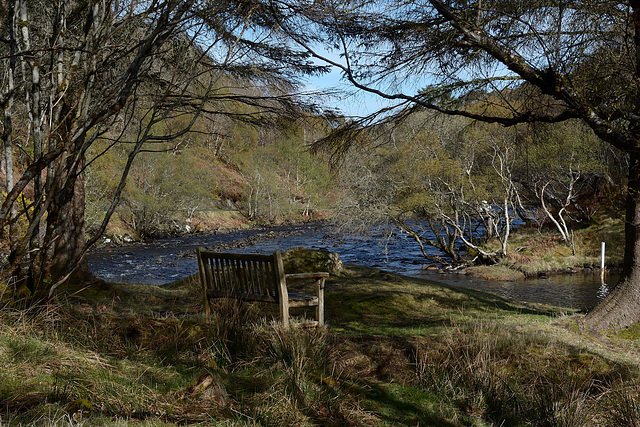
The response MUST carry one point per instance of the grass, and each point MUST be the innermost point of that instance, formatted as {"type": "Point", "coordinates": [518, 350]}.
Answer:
{"type": "Point", "coordinates": [397, 351]}
{"type": "Point", "coordinates": [533, 252]}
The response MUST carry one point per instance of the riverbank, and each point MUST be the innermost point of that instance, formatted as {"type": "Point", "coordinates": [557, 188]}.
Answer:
{"type": "Point", "coordinates": [397, 351]}
{"type": "Point", "coordinates": [241, 237]}
{"type": "Point", "coordinates": [219, 221]}
{"type": "Point", "coordinates": [533, 253]}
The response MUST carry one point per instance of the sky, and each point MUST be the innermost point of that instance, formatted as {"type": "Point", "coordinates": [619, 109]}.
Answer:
{"type": "Point", "coordinates": [352, 102]}
{"type": "Point", "coordinates": [357, 104]}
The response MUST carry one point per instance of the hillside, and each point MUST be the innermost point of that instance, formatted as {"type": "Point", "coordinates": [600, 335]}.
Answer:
{"type": "Point", "coordinates": [222, 178]}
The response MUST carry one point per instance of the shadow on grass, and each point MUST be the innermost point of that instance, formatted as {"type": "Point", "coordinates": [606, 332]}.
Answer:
{"type": "Point", "coordinates": [487, 299]}
{"type": "Point", "coordinates": [397, 404]}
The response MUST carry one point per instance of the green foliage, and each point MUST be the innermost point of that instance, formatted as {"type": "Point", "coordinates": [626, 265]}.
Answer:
{"type": "Point", "coordinates": [456, 173]}
{"type": "Point", "coordinates": [554, 149]}
{"type": "Point", "coordinates": [283, 179]}
{"type": "Point", "coordinates": [163, 185]}
{"type": "Point", "coordinates": [427, 174]}
{"type": "Point", "coordinates": [453, 173]}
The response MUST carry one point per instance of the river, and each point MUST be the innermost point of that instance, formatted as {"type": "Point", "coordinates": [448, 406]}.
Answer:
{"type": "Point", "coordinates": [166, 260]}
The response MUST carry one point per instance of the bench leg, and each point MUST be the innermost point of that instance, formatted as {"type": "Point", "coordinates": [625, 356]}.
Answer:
{"type": "Point", "coordinates": [207, 303]}
{"type": "Point", "coordinates": [284, 313]}
{"type": "Point", "coordinates": [320, 307]}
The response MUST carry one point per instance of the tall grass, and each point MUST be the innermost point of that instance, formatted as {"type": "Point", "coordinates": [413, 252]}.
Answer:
{"type": "Point", "coordinates": [173, 369]}
{"type": "Point", "coordinates": [481, 370]}
{"type": "Point", "coordinates": [59, 355]}
{"type": "Point", "coordinates": [84, 364]}
{"type": "Point", "coordinates": [294, 354]}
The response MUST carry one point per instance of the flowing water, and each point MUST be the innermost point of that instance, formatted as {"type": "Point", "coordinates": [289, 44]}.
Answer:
{"type": "Point", "coordinates": [166, 260]}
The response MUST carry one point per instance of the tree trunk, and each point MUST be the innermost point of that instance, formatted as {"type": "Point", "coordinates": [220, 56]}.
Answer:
{"type": "Point", "coordinates": [62, 259]}
{"type": "Point", "coordinates": [621, 307]}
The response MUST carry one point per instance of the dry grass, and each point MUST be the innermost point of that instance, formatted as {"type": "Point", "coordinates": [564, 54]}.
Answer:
{"type": "Point", "coordinates": [490, 371]}
{"type": "Point", "coordinates": [398, 351]}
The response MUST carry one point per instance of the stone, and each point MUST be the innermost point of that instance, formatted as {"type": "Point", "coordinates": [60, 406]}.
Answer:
{"type": "Point", "coordinates": [203, 382]}
{"type": "Point", "coordinates": [303, 260]}
{"type": "Point", "coordinates": [207, 388]}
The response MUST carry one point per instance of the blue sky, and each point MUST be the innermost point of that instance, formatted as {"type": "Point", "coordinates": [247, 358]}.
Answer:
{"type": "Point", "coordinates": [351, 102]}
{"type": "Point", "coordinates": [356, 104]}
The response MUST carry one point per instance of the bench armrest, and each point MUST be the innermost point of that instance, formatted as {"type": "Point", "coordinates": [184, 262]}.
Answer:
{"type": "Point", "coordinates": [320, 278]}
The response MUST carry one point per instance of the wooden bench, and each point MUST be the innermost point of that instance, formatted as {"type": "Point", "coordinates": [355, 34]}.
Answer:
{"type": "Point", "coordinates": [253, 277]}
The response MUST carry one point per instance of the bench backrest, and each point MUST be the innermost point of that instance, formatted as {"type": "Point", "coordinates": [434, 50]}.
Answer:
{"type": "Point", "coordinates": [251, 277]}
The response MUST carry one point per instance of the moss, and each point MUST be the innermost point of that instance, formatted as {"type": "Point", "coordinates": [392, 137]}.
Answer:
{"type": "Point", "coordinates": [22, 292]}
{"type": "Point", "coordinates": [82, 406]}
{"type": "Point", "coordinates": [630, 333]}
{"type": "Point", "coordinates": [303, 260]}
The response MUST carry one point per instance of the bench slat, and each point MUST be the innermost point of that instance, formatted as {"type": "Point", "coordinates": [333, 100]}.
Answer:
{"type": "Point", "coordinates": [244, 297]}
{"type": "Point", "coordinates": [252, 287]}
{"type": "Point", "coordinates": [307, 275]}
{"type": "Point", "coordinates": [238, 274]}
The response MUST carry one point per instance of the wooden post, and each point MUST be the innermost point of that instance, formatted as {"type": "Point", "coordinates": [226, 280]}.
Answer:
{"type": "Point", "coordinates": [320, 307]}
{"type": "Point", "coordinates": [282, 289]}
{"type": "Point", "coordinates": [202, 269]}
{"type": "Point", "coordinates": [602, 247]}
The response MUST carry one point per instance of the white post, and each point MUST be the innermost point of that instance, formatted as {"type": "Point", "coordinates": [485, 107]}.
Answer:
{"type": "Point", "coordinates": [602, 245]}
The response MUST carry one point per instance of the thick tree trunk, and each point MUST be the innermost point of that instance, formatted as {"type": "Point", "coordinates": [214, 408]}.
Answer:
{"type": "Point", "coordinates": [621, 307]}
{"type": "Point", "coordinates": [68, 232]}
{"type": "Point", "coordinates": [63, 258]}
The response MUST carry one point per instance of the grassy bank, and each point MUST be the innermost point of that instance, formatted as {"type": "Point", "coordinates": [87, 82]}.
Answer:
{"type": "Point", "coordinates": [532, 252]}
{"type": "Point", "coordinates": [397, 350]}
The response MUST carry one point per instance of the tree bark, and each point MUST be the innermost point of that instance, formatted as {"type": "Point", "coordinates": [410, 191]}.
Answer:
{"type": "Point", "coordinates": [61, 259]}
{"type": "Point", "coordinates": [66, 231]}
{"type": "Point", "coordinates": [621, 307]}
